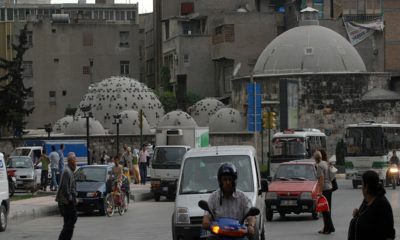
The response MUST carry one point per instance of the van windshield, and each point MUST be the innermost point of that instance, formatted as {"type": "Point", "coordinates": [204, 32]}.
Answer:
{"type": "Point", "coordinates": [199, 174]}
{"type": "Point", "coordinates": [21, 152]}
{"type": "Point", "coordinates": [168, 157]}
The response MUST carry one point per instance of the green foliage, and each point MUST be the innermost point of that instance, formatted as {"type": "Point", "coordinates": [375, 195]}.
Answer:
{"type": "Point", "coordinates": [167, 99]}
{"type": "Point", "coordinates": [13, 93]}
{"type": "Point", "coordinates": [165, 75]}
{"type": "Point", "coordinates": [192, 98]}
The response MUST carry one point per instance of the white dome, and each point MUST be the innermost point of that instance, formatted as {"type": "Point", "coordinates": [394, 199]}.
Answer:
{"type": "Point", "coordinates": [177, 118]}
{"type": "Point", "coordinates": [130, 124]}
{"type": "Point", "coordinates": [61, 124]}
{"type": "Point", "coordinates": [309, 49]}
{"type": "Point", "coordinates": [78, 127]}
{"type": "Point", "coordinates": [227, 120]}
{"type": "Point", "coordinates": [204, 109]}
{"type": "Point", "coordinates": [116, 94]}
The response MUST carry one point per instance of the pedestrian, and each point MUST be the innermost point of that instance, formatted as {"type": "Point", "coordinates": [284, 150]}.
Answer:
{"type": "Point", "coordinates": [143, 163]}
{"type": "Point", "coordinates": [60, 162]}
{"type": "Point", "coordinates": [128, 162]}
{"type": "Point", "coordinates": [54, 164]}
{"type": "Point", "coordinates": [44, 159]}
{"type": "Point", "coordinates": [66, 198]}
{"type": "Point", "coordinates": [124, 157]}
{"type": "Point", "coordinates": [104, 158]}
{"type": "Point", "coordinates": [325, 189]}
{"type": "Point", "coordinates": [331, 175]}
{"type": "Point", "coordinates": [135, 163]}
{"type": "Point", "coordinates": [374, 218]}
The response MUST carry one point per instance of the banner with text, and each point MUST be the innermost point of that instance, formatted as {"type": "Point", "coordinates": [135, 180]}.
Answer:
{"type": "Point", "coordinates": [358, 32]}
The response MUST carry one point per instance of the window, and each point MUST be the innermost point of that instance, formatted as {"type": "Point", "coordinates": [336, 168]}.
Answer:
{"type": "Point", "coordinates": [87, 39]}
{"type": "Point", "coordinates": [120, 15]}
{"type": "Point", "coordinates": [124, 39]}
{"type": "Point", "coordinates": [124, 68]}
{"type": "Point", "coordinates": [2, 15]}
{"type": "Point", "coordinates": [56, 60]}
{"type": "Point", "coordinates": [186, 60]}
{"type": "Point", "coordinates": [8, 43]}
{"type": "Point", "coordinates": [10, 14]}
{"type": "Point", "coordinates": [187, 8]}
{"type": "Point", "coordinates": [29, 39]}
{"type": "Point", "coordinates": [130, 15]}
{"type": "Point", "coordinates": [228, 69]}
{"type": "Point", "coordinates": [64, 92]}
{"type": "Point", "coordinates": [86, 70]}
{"type": "Point", "coordinates": [28, 71]}
{"type": "Point", "coordinates": [167, 29]}
{"type": "Point", "coordinates": [52, 97]}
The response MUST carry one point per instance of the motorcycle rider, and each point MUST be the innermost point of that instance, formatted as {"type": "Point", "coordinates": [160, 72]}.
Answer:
{"type": "Point", "coordinates": [393, 160]}
{"type": "Point", "coordinates": [227, 201]}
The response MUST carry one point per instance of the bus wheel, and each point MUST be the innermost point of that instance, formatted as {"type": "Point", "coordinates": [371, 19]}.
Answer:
{"type": "Point", "coordinates": [355, 184]}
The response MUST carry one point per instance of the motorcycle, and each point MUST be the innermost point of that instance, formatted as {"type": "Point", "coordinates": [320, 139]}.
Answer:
{"type": "Point", "coordinates": [225, 228]}
{"type": "Point", "coordinates": [394, 175]}
{"type": "Point", "coordinates": [12, 181]}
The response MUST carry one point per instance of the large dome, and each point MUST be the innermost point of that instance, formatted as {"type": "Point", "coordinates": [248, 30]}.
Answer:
{"type": "Point", "coordinates": [62, 124]}
{"type": "Point", "coordinates": [78, 127]}
{"type": "Point", "coordinates": [202, 110]}
{"type": "Point", "coordinates": [130, 124]}
{"type": "Point", "coordinates": [116, 94]}
{"type": "Point", "coordinates": [227, 120]}
{"type": "Point", "coordinates": [309, 49]}
{"type": "Point", "coordinates": [177, 119]}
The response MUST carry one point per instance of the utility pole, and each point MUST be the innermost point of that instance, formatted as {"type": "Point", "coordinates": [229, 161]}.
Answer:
{"type": "Point", "coordinates": [87, 114]}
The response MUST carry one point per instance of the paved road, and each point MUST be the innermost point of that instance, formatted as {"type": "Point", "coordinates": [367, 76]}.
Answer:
{"type": "Point", "coordinates": [151, 220]}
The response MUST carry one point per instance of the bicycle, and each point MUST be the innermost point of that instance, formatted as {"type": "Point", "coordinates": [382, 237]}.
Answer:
{"type": "Point", "coordinates": [116, 199]}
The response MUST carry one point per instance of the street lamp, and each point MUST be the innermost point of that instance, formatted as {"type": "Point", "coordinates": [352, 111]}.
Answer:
{"type": "Point", "coordinates": [48, 129]}
{"type": "Point", "coordinates": [117, 121]}
{"type": "Point", "coordinates": [87, 114]}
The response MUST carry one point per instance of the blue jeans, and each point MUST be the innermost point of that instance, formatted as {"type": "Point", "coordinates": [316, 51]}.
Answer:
{"type": "Point", "coordinates": [143, 172]}
{"type": "Point", "coordinates": [54, 184]}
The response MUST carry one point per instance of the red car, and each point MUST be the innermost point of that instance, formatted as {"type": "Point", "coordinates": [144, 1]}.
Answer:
{"type": "Point", "coordinates": [293, 190]}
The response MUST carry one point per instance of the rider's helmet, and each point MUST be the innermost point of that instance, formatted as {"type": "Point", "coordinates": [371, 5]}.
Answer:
{"type": "Point", "coordinates": [227, 169]}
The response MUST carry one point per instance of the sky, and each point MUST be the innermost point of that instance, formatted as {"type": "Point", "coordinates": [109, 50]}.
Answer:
{"type": "Point", "coordinates": [145, 6]}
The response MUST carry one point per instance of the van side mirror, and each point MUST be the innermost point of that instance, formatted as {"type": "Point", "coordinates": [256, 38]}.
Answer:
{"type": "Point", "coordinates": [264, 186]}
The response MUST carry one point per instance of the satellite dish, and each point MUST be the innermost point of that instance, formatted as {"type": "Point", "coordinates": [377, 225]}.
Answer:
{"type": "Point", "coordinates": [236, 69]}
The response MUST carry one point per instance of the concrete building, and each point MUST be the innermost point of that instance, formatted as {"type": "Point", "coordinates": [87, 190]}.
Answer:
{"type": "Point", "coordinates": [70, 47]}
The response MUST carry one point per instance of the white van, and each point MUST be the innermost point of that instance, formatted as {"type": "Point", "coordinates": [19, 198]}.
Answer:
{"type": "Point", "coordinates": [4, 197]}
{"type": "Point", "coordinates": [198, 179]}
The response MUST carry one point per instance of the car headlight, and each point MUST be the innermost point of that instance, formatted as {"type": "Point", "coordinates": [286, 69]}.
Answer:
{"type": "Point", "coordinates": [91, 194]}
{"type": "Point", "coordinates": [271, 195]}
{"type": "Point", "coordinates": [306, 195]}
{"type": "Point", "coordinates": [182, 216]}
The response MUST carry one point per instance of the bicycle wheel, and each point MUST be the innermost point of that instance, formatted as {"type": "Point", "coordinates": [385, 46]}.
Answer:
{"type": "Point", "coordinates": [122, 204]}
{"type": "Point", "coordinates": [109, 205]}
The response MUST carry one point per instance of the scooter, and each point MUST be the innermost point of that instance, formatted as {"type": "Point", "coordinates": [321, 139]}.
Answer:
{"type": "Point", "coordinates": [225, 228]}
{"type": "Point", "coordinates": [12, 181]}
{"type": "Point", "coordinates": [394, 175]}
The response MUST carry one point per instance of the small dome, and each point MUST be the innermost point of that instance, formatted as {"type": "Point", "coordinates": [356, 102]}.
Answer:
{"type": "Point", "coordinates": [177, 118]}
{"type": "Point", "coordinates": [61, 124]}
{"type": "Point", "coordinates": [204, 109]}
{"type": "Point", "coordinates": [130, 124]}
{"type": "Point", "coordinates": [309, 49]}
{"type": "Point", "coordinates": [78, 127]}
{"type": "Point", "coordinates": [227, 120]}
{"type": "Point", "coordinates": [116, 94]}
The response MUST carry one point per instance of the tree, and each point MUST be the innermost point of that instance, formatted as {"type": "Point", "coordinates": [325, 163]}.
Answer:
{"type": "Point", "coordinates": [13, 93]}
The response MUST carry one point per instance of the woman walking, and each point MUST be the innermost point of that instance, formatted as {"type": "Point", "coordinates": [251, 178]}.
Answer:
{"type": "Point", "coordinates": [143, 163]}
{"type": "Point", "coordinates": [325, 189]}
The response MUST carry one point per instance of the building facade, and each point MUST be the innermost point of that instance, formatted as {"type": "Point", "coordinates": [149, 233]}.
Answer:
{"type": "Point", "coordinates": [70, 47]}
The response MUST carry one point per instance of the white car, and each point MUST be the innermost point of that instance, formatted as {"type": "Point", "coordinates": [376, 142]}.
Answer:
{"type": "Point", "coordinates": [4, 197]}
{"type": "Point", "coordinates": [26, 175]}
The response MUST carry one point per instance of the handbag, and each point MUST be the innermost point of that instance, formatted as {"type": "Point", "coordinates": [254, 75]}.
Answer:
{"type": "Point", "coordinates": [334, 185]}
{"type": "Point", "coordinates": [322, 204]}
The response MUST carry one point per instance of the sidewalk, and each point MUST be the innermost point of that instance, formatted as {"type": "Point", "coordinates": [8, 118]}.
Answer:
{"type": "Point", "coordinates": [28, 209]}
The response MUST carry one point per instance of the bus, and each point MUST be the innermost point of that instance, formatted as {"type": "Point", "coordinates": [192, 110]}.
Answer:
{"type": "Point", "coordinates": [295, 144]}
{"type": "Point", "coordinates": [369, 146]}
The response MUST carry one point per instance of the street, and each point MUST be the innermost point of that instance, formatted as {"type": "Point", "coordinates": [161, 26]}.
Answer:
{"type": "Point", "coordinates": [152, 220]}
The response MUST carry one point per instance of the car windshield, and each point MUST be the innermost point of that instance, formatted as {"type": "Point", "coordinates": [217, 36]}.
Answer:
{"type": "Point", "coordinates": [91, 174]}
{"type": "Point", "coordinates": [168, 157]}
{"type": "Point", "coordinates": [296, 172]}
{"type": "Point", "coordinates": [20, 163]}
{"type": "Point", "coordinates": [199, 174]}
{"type": "Point", "coordinates": [288, 146]}
{"type": "Point", "coordinates": [364, 141]}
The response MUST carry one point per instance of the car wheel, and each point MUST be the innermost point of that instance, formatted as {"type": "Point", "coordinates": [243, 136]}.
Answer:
{"type": "Point", "coordinates": [156, 197]}
{"type": "Point", "coordinates": [269, 214]}
{"type": "Point", "coordinates": [355, 184]}
{"type": "Point", "coordinates": [3, 218]}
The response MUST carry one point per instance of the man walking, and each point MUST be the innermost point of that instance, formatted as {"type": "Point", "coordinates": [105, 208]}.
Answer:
{"type": "Point", "coordinates": [44, 159]}
{"type": "Point", "coordinates": [66, 198]}
{"type": "Point", "coordinates": [60, 163]}
{"type": "Point", "coordinates": [54, 162]}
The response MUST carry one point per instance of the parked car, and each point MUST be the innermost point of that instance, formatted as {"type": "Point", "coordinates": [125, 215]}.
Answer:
{"type": "Point", "coordinates": [92, 186]}
{"type": "Point", "coordinates": [27, 177]}
{"type": "Point", "coordinates": [293, 190]}
{"type": "Point", "coordinates": [198, 179]}
{"type": "Point", "coordinates": [4, 197]}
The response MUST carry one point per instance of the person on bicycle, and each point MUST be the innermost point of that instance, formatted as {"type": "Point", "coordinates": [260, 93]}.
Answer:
{"type": "Point", "coordinates": [227, 201]}
{"type": "Point", "coordinates": [117, 171]}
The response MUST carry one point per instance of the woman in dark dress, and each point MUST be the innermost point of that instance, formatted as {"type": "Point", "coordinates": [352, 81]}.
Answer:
{"type": "Point", "coordinates": [374, 218]}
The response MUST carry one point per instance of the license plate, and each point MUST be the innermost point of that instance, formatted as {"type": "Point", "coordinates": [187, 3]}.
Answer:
{"type": "Point", "coordinates": [79, 200]}
{"type": "Point", "coordinates": [20, 182]}
{"type": "Point", "coordinates": [165, 189]}
{"type": "Point", "coordinates": [288, 203]}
